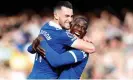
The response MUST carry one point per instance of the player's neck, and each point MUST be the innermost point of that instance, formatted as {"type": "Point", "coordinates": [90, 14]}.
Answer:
{"type": "Point", "coordinates": [55, 21]}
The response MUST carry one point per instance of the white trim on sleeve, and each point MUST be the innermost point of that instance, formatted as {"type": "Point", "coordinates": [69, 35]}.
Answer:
{"type": "Point", "coordinates": [73, 54]}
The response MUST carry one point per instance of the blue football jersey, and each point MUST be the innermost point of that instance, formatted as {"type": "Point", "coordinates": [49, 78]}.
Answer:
{"type": "Point", "coordinates": [68, 57]}
{"type": "Point", "coordinates": [74, 71]}
{"type": "Point", "coordinates": [59, 40]}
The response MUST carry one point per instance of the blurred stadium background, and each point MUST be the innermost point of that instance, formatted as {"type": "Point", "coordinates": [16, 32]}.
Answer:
{"type": "Point", "coordinates": [110, 28]}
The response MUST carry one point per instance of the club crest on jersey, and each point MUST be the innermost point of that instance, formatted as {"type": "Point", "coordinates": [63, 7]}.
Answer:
{"type": "Point", "coordinates": [69, 34]}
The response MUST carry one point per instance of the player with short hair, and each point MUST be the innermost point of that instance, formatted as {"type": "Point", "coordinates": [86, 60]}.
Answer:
{"type": "Point", "coordinates": [59, 39]}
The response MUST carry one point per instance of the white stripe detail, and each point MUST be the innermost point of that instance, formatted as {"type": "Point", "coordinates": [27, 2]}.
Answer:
{"type": "Point", "coordinates": [40, 58]}
{"type": "Point", "coordinates": [73, 54]}
{"type": "Point", "coordinates": [36, 56]}
{"type": "Point", "coordinates": [84, 54]}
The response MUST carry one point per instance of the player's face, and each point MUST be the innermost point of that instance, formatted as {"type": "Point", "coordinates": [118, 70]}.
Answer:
{"type": "Point", "coordinates": [79, 29]}
{"type": "Point", "coordinates": [65, 17]}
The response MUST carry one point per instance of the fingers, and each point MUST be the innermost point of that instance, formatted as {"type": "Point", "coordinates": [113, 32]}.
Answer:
{"type": "Point", "coordinates": [40, 54]}
{"type": "Point", "coordinates": [36, 46]}
{"type": "Point", "coordinates": [41, 51]}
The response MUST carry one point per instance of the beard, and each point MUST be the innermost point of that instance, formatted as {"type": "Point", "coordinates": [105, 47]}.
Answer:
{"type": "Point", "coordinates": [66, 26]}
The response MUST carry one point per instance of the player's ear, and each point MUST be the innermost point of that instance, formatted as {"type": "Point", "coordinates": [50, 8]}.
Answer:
{"type": "Point", "coordinates": [56, 15]}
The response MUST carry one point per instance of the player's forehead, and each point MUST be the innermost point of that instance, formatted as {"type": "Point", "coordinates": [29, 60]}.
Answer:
{"type": "Point", "coordinates": [66, 11]}
{"type": "Point", "coordinates": [81, 22]}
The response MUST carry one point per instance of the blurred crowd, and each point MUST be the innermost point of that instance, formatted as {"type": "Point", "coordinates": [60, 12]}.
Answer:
{"type": "Point", "coordinates": [112, 36]}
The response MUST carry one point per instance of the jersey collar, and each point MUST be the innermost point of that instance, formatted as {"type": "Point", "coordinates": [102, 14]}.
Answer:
{"type": "Point", "coordinates": [51, 23]}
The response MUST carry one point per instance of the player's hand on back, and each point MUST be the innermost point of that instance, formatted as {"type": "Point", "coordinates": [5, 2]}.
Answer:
{"type": "Point", "coordinates": [36, 46]}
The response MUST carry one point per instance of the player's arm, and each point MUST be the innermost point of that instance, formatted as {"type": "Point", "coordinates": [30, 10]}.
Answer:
{"type": "Point", "coordinates": [30, 50]}
{"type": "Point", "coordinates": [68, 57]}
{"type": "Point", "coordinates": [70, 40]}
{"type": "Point", "coordinates": [85, 46]}
{"type": "Point", "coordinates": [34, 47]}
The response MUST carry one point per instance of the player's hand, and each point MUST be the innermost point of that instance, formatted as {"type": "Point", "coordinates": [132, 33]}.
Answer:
{"type": "Point", "coordinates": [85, 38]}
{"type": "Point", "coordinates": [36, 46]}
{"type": "Point", "coordinates": [40, 51]}
{"type": "Point", "coordinates": [35, 43]}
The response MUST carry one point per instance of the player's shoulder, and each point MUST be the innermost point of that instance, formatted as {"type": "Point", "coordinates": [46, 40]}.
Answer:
{"type": "Point", "coordinates": [51, 27]}
{"type": "Point", "coordinates": [45, 26]}
{"type": "Point", "coordinates": [66, 33]}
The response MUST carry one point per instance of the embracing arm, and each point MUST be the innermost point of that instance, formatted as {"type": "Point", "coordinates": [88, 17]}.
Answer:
{"type": "Point", "coordinates": [68, 57]}
{"type": "Point", "coordinates": [30, 50]}
{"type": "Point", "coordinates": [85, 46]}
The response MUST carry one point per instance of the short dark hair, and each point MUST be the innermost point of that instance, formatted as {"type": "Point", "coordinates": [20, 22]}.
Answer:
{"type": "Point", "coordinates": [79, 18]}
{"type": "Point", "coordinates": [63, 3]}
